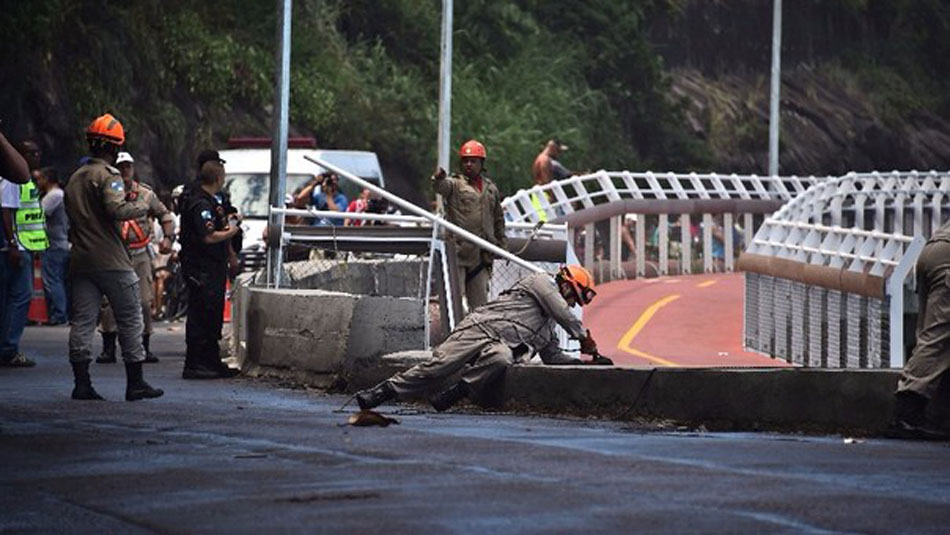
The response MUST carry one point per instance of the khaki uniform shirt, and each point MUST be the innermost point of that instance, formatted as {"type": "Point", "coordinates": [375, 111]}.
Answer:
{"type": "Point", "coordinates": [528, 314]}
{"type": "Point", "coordinates": [95, 200]}
{"type": "Point", "coordinates": [144, 193]}
{"type": "Point", "coordinates": [478, 212]}
{"type": "Point", "coordinates": [941, 234]}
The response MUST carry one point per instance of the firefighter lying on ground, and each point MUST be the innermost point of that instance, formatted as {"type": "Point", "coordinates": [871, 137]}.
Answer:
{"type": "Point", "coordinates": [510, 329]}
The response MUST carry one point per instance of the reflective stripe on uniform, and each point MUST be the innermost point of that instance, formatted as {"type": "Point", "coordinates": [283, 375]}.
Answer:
{"type": "Point", "coordinates": [137, 238]}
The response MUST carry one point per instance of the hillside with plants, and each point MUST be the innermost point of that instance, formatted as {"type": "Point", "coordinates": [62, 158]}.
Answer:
{"type": "Point", "coordinates": [663, 84]}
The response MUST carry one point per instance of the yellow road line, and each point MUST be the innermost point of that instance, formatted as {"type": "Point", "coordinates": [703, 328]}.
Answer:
{"type": "Point", "coordinates": [624, 344]}
{"type": "Point", "coordinates": [651, 358]}
{"type": "Point", "coordinates": [706, 284]}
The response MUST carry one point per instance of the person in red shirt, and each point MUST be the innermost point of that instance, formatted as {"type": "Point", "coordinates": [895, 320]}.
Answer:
{"type": "Point", "coordinates": [358, 205]}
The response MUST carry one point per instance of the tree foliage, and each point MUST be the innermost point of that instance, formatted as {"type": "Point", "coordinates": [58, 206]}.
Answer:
{"type": "Point", "coordinates": [184, 73]}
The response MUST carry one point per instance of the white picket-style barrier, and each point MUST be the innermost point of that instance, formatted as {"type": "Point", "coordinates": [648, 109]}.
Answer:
{"type": "Point", "coordinates": [827, 275]}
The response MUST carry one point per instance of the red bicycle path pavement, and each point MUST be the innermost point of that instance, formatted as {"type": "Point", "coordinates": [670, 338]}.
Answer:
{"type": "Point", "coordinates": [690, 320]}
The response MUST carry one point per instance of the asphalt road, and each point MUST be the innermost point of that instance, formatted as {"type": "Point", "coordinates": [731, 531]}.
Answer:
{"type": "Point", "coordinates": [246, 456]}
{"type": "Point", "coordinates": [642, 322]}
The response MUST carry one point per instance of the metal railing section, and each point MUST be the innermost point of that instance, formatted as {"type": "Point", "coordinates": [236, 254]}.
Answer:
{"type": "Point", "coordinates": [554, 200]}
{"type": "Point", "coordinates": [827, 274]}
{"type": "Point", "coordinates": [658, 207]}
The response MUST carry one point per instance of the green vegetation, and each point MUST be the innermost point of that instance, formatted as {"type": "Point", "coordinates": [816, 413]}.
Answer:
{"type": "Point", "coordinates": [184, 73]}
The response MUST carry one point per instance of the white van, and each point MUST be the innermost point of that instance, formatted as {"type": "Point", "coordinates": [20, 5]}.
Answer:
{"type": "Point", "coordinates": [247, 181]}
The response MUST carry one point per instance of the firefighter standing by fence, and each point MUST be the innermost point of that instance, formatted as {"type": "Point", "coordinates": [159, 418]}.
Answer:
{"type": "Point", "coordinates": [99, 262]}
{"type": "Point", "coordinates": [137, 234]}
{"type": "Point", "coordinates": [472, 201]}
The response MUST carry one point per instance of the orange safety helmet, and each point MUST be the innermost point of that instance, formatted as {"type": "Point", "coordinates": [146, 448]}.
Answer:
{"type": "Point", "coordinates": [472, 149]}
{"type": "Point", "coordinates": [580, 280]}
{"type": "Point", "coordinates": [106, 128]}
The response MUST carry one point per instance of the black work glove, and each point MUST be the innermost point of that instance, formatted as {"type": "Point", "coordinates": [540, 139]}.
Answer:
{"type": "Point", "coordinates": [588, 345]}
{"type": "Point", "coordinates": [599, 360]}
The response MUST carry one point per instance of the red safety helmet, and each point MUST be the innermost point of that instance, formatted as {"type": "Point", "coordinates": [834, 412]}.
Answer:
{"type": "Point", "coordinates": [580, 280]}
{"type": "Point", "coordinates": [472, 149]}
{"type": "Point", "coordinates": [106, 128]}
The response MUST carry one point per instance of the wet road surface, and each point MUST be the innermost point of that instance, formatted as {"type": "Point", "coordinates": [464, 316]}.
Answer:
{"type": "Point", "coordinates": [246, 456]}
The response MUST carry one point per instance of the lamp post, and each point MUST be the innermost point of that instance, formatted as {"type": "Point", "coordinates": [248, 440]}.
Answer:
{"type": "Point", "coordinates": [445, 91]}
{"type": "Point", "coordinates": [775, 86]}
{"type": "Point", "coordinates": [278, 150]}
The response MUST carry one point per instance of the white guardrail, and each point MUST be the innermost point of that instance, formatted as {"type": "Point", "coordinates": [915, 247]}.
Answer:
{"type": "Point", "coordinates": [656, 199]}
{"type": "Point", "coordinates": [827, 274]}
{"type": "Point", "coordinates": [556, 199]}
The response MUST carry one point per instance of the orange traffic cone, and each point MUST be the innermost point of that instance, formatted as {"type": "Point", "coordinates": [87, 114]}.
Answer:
{"type": "Point", "coordinates": [37, 312]}
{"type": "Point", "coordinates": [227, 301]}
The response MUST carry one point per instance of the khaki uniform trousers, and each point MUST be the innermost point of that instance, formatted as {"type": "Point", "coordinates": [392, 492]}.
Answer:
{"type": "Point", "coordinates": [476, 288]}
{"type": "Point", "coordinates": [142, 264]}
{"type": "Point", "coordinates": [468, 349]}
{"type": "Point", "coordinates": [931, 356]}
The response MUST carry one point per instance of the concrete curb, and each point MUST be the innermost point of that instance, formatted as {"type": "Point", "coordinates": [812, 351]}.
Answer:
{"type": "Point", "coordinates": [737, 399]}
{"type": "Point", "coordinates": [717, 399]}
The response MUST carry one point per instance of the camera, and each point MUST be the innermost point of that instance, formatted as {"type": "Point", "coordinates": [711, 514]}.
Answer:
{"type": "Point", "coordinates": [377, 205]}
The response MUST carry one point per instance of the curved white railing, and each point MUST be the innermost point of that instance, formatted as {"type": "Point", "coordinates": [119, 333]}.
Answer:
{"type": "Point", "coordinates": [828, 272]}
{"type": "Point", "coordinates": [683, 199]}
{"type": "Point", "coordinates": [558, 198]}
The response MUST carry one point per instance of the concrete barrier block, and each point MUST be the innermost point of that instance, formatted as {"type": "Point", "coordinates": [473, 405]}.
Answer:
{"type": "Point", "coordinates": [327, 332]}
{"type": "Point", "coordinates": [361, 276]}
{"type": "Point", "coordinates": [380, 325]}
{"type": "Point", "coordinates": [304, 329]}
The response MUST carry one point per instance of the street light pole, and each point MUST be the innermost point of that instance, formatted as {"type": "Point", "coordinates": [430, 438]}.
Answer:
{"type": "Point", "coordinates": [445, 91]}
{"type": "Point", "coordinates": [775, 86]}
{"type": "Point", "coordinates": [278, 150]}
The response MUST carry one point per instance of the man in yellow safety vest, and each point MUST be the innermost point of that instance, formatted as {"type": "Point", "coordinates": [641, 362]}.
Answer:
{"type": "Point", "coordinates": [24, 227]}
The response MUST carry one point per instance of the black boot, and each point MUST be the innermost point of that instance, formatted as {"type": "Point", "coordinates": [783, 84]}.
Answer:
{"type": "Point", "coordinates": [108, 349]}
{"type": "Point", "coordinates": [83, 389]}
{"type": "Point", "coordinates": [910, 420]}
{"type": "Point", "coordinates": [149, 356]}
{"type": "Point", "coordinates": [445, 399]}
{"type": "Point", "coordinates": [375, 396]}
{"type": "Point", "coordinates": [136, 388]}
{"type": "Point", "coordinates": [227, 372]}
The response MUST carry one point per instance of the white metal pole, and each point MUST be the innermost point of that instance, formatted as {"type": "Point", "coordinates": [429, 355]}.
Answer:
{"type": "Point", "coordinates": [278, 168]}
{"type": "Point", "coordinates": [445, 91]}
{"type": "Point", "coordinates": [776, 86]}
{"type": "Point", "coordinates": [405, 205]}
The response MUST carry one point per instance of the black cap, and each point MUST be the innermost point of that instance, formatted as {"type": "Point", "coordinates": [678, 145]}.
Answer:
{"type": "Point", "coordinates": [208, 155]}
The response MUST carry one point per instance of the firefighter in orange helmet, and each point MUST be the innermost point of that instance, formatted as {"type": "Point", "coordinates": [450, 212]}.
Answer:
{"type": "Point", "coordinates": [512, 328]}
{"type": "Point", "coordinates": [472, 201]}
{"type": "Point", "coordinates": [137, 235]}
{"type": "Point", "coordinates": [99, 263]}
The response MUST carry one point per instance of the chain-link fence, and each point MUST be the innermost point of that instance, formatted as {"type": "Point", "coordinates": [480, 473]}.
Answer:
{"type": "Point", "coordinates": [546, 246]}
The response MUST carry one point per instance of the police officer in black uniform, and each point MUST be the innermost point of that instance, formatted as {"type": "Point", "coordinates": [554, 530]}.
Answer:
{"type": "Point", "coordinates": [206, 232]}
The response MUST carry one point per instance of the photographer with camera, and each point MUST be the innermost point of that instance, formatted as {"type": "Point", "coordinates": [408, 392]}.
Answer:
{"type": "Point", "coordinates": [329, 198]}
